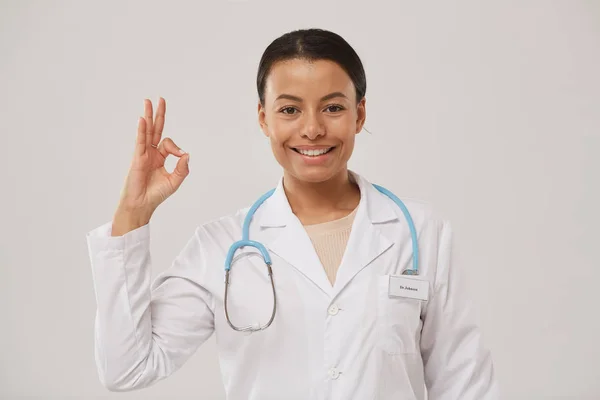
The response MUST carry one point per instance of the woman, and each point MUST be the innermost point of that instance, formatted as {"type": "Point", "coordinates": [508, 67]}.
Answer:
{"type": "Point", "coordinates": [346, 325]}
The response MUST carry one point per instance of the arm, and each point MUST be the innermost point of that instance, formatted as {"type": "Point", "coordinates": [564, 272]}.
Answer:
{"type": "Point", "coordinates": [144, 331]}
{"type": "Point", "coordinates": [457, 365]}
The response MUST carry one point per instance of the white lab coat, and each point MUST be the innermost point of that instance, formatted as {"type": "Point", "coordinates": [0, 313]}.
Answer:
{"type": "Point", "coordinates": [346, 341]}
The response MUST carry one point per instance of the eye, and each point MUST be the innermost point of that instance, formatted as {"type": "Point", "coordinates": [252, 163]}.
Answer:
{"type": "Point", "coordinates": [288, 110]}
{"type": "Point", "coordinates": [334, 108]}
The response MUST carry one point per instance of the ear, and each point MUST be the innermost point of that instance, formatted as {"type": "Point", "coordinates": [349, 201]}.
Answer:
{"type": "Point", "coordinates": [262, 119]}
{"type": "Point", "coordinates": [361, 115]}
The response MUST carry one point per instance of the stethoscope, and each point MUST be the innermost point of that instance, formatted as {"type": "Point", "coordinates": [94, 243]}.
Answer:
{"type": "Point", "coordinates": [267, 258]}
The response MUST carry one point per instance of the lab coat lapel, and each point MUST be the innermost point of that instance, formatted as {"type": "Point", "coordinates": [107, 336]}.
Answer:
{"type": "Point", "coordinates": [286, 237]}
{"type": "Point", "coordinates": [366, 241]}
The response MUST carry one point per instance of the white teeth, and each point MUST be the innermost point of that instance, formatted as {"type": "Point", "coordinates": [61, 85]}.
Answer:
{"type": "Point", "coordinates": [313, 153]}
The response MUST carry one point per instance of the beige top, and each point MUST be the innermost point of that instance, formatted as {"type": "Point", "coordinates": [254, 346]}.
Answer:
{"type": "Point", "coordinates": [330, 239]}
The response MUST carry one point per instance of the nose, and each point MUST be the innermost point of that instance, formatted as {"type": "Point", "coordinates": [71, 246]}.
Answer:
{"type": "Point", "coordinates": [313, 126]}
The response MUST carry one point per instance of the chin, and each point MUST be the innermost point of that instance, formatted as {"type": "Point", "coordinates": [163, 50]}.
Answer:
{"type": "Point", "coordinates": [315, 175]}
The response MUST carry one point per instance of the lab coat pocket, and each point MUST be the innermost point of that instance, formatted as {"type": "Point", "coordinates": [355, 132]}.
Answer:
{"type": "Point", "coordinates": [398, 320]}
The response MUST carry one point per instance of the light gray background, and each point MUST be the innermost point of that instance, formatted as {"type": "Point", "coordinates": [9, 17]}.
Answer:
{"type": "Point", "coordinates": [489, 110]}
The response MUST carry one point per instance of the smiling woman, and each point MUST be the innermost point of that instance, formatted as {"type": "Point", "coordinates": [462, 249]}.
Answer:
{"type": "Point", "coordinates": [360, 290]}
{"type": "Point", "coordinates": [311, 86]}
{"type": "Point", "coordinates": [312, 135]}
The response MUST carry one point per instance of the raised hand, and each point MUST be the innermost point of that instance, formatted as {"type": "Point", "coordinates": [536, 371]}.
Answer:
{"type": "Point", "coordinates": [148, 183]}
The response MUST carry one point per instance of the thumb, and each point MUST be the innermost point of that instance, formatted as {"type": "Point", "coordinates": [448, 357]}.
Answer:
{"type": "Point", "coordinates": [180, 172]}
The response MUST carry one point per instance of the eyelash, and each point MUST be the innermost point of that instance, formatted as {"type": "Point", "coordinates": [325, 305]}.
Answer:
{"type": "Point", "coordinates": [340, 108]}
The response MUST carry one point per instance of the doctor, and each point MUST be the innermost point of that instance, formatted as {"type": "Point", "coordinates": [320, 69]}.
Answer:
{"type": "Point", "coordinates": [347, 324]}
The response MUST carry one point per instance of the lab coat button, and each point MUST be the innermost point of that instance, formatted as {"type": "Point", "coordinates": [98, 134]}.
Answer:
{"type": "Point", "coordinates": [333, 310]}
{"type": "Point", "coordinates": [334, 373]}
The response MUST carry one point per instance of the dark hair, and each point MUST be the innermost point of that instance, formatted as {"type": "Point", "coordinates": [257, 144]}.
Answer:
{"type": "Point", "coordinates": [312, 44]}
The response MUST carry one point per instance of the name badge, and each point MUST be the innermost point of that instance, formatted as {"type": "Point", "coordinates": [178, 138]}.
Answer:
{"type": "Point", "coordinates": [410, 287]}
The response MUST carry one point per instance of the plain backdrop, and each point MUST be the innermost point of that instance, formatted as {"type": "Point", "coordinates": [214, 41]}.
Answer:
{"type": "Point", "coordinates": [489, 110]}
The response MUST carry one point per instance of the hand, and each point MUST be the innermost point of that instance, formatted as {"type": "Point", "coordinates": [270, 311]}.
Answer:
{"type": "Point", "coordinates": [148, 183]}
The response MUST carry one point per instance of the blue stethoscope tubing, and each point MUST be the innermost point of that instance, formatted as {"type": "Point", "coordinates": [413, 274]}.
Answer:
{"type": "Point", "coordinates": [245, 241]}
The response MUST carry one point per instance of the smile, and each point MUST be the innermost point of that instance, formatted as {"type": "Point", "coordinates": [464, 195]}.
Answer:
{"type": "Point", "coordinates": [313, 153]}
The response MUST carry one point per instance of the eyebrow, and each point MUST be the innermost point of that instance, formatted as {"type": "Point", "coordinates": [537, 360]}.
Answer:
{"type": "Point", "coordinates": [299, 100]}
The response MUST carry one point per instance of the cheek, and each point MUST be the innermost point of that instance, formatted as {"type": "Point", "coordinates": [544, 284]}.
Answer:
{"type": "Point", "coordinates": [344, 128]}
{"type": "Point", "coordinates": [280, 132]}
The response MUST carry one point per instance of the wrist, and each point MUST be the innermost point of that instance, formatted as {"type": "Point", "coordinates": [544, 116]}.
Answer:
{"type": "Point", "coordinates": [126, 221]}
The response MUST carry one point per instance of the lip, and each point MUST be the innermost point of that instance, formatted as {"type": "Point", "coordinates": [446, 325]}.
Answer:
{"type": "Point", "coordinates": [311, 147]}
{"type": "Point", "coordinates": [314, 160]}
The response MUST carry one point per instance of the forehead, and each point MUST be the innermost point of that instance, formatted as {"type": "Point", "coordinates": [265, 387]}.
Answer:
{"type": "Point", "coordinates": [307, 79]}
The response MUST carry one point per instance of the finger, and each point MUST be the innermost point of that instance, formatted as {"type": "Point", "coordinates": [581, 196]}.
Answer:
{"type": "Point", "coordinates": [159, 121]}
{"type": "Point", "coordinates": [140, 140]}
{"type": "Point", "coordinates": [149, 124]}
{"type": "Point", "coordinates": [167, 146]}
{"type": "Point", "coordinates": [181, 171]}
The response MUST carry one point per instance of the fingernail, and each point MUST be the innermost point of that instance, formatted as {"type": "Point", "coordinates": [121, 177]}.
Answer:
{"type": "Point", "coordinates": [181, 152]}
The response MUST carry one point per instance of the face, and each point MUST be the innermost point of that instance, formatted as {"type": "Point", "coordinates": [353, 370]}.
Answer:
{"type": "Point", "coordinates": [311, 118]}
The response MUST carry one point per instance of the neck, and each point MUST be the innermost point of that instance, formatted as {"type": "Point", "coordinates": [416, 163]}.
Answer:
{"type": "Point", "coordinates": [315, 202]}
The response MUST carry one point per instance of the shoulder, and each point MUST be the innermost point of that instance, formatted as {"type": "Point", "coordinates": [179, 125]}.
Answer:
{"type": "Point", "coordinates": [431, 219]}
{"type": "Point", "coordinates": [433, 228]}
{"type": "Point", "coordinates": [424, 213]}
{"type": "Point", "coordinates": [226, 226]}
